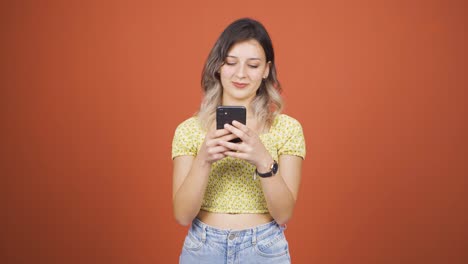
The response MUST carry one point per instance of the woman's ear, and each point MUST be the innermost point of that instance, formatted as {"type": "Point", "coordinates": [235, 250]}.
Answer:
{"type": "Point", "coordinates": [267, 70]}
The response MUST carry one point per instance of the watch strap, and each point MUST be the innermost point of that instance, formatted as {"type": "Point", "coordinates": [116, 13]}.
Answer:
{"type": "Point", "coordinates": [273, 171]}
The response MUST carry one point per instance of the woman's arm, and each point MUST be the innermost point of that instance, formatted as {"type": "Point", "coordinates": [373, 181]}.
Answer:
{"type": "Point", "coordinates": [189, 183]}
{"type": "Point", "coordinates": [190, 176]}
{"type": "Point", "coordinates": [281, 189]}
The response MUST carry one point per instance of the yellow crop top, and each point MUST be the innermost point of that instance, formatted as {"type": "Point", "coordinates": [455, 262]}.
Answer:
{"type": "Point", "coordinates": [231, 187]}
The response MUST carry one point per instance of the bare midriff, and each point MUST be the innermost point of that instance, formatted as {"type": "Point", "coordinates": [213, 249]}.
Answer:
{"type": "Point", "coordinates": [233, 221]}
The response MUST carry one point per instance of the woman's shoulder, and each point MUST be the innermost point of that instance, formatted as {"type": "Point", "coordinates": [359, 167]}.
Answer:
{"type": "Point", "coordinates": [285, 121]}
{"type": "Point", "coordinates": [191, 123]}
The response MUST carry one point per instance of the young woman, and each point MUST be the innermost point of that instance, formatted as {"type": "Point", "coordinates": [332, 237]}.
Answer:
{"type": "Point", "coordinates": [238, 196]}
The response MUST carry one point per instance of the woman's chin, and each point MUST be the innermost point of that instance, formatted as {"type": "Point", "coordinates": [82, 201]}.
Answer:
{"type": "Point", "coordinates": [238, 96]}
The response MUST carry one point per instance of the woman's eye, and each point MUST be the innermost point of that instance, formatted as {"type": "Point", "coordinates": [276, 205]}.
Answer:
{"type": "Point", "coordinates": [230, 63]}
{"type": "Point", "coordinates": [253, 66]}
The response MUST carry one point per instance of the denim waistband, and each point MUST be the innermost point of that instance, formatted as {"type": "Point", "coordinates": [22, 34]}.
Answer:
{"type": "Point", "coordinates": [255, 233]}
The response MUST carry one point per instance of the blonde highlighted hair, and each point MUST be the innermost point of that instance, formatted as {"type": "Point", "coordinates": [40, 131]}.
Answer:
{"type": "Point", "coordinates": [268, 103]}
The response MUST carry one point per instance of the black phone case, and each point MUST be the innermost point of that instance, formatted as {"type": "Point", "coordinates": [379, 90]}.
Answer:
{"type": "Point", "coordinates": [227, 114]}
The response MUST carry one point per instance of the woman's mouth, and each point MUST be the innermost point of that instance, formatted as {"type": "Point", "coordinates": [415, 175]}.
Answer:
{"type": "Point", "coordinates": [240, 85]}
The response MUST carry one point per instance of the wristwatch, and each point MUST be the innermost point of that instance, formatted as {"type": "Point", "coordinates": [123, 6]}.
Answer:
{"type": "Point", "coordinates": [273, 171]}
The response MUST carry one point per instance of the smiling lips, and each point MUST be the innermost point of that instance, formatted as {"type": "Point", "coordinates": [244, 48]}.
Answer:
{"type": "Point", "coordinates": [240, 85]}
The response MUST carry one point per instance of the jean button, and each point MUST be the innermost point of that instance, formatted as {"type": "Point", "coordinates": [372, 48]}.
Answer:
{"type": "Point", "coordinates": [232, 236]}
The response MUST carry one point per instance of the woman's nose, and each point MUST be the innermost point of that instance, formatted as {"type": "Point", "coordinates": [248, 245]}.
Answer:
{"type": "Point", "coordinates": [240, 73]}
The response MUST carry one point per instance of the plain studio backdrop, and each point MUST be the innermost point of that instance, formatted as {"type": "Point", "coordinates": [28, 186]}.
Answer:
{"type": "Point", "coordinates": [92, 91]}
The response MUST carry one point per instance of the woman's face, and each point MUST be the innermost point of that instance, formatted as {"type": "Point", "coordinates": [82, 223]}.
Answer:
{"type": "Point", "coordinates": [242, 72]}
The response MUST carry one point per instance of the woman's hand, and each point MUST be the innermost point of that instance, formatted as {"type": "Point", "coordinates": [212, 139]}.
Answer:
{"type": "Point", "coordinates": [250, 149]}
{"type": "Point", "coordinates": [212, 148]}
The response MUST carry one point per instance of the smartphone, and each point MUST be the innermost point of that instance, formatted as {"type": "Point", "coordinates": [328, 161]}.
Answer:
{"type": "Point", "coordinates": [227, 114]}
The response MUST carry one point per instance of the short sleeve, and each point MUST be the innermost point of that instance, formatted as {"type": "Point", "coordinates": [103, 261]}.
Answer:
{"type": "Point", "coordinates": [294, 143]}
{"type": "Point", "coordinates": [184, 142]}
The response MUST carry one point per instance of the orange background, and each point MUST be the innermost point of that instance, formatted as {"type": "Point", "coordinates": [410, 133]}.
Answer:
{"type": "Point", "coordinates": [92, 91]}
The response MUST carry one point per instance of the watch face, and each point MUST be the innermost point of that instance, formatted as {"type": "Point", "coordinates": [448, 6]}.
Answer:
{"type": "Point", "coordinates": [274, 168]}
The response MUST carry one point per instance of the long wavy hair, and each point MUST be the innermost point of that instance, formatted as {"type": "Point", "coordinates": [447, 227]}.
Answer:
{"type": "Point", "coordinates": [268, 103]}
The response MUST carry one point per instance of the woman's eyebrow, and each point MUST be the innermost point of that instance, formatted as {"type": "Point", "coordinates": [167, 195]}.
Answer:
{"type": "Point", "coordinates": [231, 56]}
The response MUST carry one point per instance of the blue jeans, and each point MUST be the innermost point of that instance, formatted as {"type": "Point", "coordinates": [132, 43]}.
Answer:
{"type": "Point", "coordinates": [261, 244]}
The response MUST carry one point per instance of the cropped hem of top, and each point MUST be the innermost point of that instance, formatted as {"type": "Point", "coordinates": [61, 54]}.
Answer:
{"type": "Point", "coordinates": [231, 187]}
{"type": "Point", "coordinates": [234, 211]}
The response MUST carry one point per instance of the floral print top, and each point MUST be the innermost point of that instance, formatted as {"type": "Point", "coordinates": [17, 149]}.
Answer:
{"type": "Point", "coordinates": [231, 186]}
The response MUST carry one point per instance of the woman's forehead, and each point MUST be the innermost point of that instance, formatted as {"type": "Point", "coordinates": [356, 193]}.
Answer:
{"type": "Point", "coordinates": [249, 49]}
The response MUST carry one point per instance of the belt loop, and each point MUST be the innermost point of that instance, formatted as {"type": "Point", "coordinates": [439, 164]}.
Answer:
{"type": "Point", "coordinates": [254, 236]}
{"type": "Point", "coordinates": [203, 236]}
